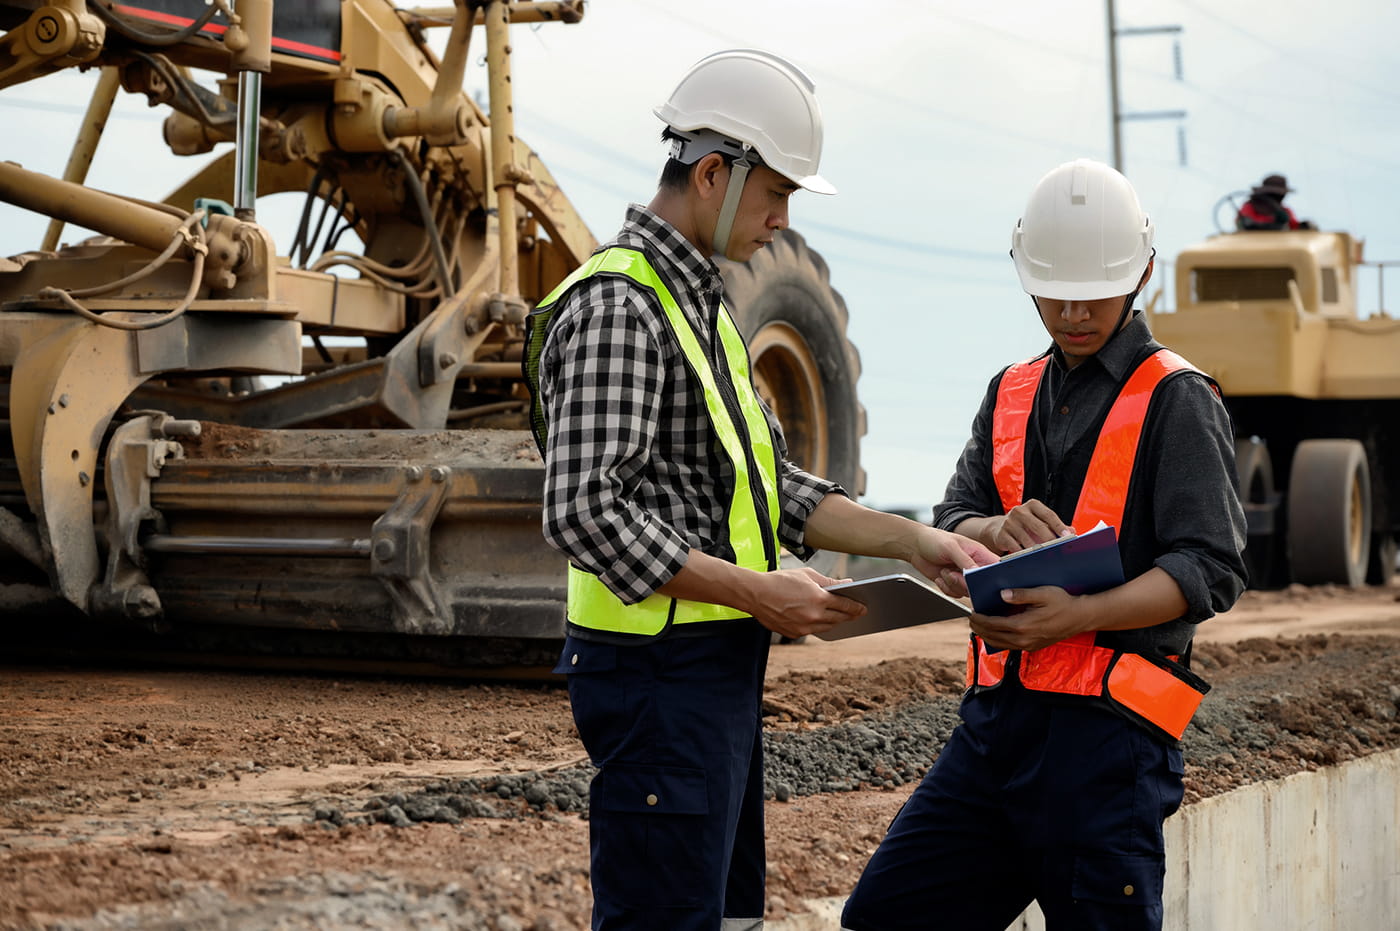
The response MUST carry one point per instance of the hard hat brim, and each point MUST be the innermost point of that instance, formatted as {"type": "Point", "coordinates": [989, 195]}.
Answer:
{"type": "Point", "coordinates": [1080, 290]}
{"type": "Point", "coordinates": [814, 183]}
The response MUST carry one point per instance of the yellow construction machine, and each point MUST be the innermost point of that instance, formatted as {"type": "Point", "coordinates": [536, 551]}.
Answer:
{"type": "Point", "coordinates": [235, 443]}
{"type": "Point", "coordinates": [1313, 388]}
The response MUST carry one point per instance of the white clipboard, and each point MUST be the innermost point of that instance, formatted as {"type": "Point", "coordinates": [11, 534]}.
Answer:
{"type": "Point", "coordinates": [892, 602]}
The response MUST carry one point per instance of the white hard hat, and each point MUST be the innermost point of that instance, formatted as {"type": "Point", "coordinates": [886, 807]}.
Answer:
{"type": "Point", "coordinates": [756, 99]}
{"type": "Point", "coordinates": [1083, 235]}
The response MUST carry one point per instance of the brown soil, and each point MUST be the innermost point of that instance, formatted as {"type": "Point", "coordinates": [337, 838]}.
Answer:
{"type": "Point", "coordinates": [157, 798]}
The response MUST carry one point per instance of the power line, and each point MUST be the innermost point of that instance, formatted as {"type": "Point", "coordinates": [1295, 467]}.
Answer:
{"type": "Point", "coordinates": [908, 245]}
{"type": "Point", "coordinates": [1085, 59]}
{"type": "Point", "coordinates": [1294, 58]}
{"type": "Point", "coordinates": [828, 229]}
{"type": "Point", "coordinates": [884, 96]}
{"type": "Point", "coordinates": [1254, 116]}
{"type": "Point", "coordinates": [1273, 123]}
{"type": "Point", "coordinates": [584, 142]}
{"type": "Point", "coordinates": [919, 273]}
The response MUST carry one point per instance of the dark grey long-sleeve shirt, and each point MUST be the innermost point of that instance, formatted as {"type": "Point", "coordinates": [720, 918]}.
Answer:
{"type": "Point", "coordinates": [1183, 511]}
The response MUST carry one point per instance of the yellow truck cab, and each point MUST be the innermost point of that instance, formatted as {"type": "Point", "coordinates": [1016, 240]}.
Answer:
{"type": "Point", "coordinates": [1313, 388]}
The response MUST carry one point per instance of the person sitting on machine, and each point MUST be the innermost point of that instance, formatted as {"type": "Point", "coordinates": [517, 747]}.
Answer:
{"type": "Point", "coordinates": [1265, 209]}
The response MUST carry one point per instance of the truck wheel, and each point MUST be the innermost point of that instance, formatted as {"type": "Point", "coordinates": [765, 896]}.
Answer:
{"type": "Point", "coordinates": [1329, 512]}
{"type": "Point", "coordinates": [804, 368]}
{"type": "Point", "coordinates": [1255, 471]}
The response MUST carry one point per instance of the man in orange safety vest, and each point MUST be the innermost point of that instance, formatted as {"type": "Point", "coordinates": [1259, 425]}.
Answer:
{"type": "Point", "coordinates": [1055, 786]}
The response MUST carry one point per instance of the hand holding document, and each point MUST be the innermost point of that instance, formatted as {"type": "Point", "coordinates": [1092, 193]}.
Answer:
{"type": "Point", "coordinates": [1080, 565]}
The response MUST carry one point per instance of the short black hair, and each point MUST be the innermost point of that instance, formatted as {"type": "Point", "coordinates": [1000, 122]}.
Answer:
{"type": "Point", "coordinates": [675, 174]}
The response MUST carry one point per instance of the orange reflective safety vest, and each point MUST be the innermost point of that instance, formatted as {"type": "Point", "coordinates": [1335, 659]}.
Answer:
{"type": "Point", "coordinates": [1158, 692]}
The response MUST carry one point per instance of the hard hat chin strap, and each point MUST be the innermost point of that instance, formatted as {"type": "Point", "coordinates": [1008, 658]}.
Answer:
{"type": "Point", "coordinates": [724, 225]}
{"type": "Point", "coordinates": [1128, 301]}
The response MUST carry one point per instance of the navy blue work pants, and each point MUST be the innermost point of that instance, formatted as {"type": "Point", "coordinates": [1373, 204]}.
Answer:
{"type": "Point", "coordinates": [1032, 798]}
{"type": "Point", "coordinates": [676, 810]}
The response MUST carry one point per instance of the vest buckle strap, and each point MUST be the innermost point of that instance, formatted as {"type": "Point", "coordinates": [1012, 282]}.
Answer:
{"type": "Point", "coordinates": [985, 669]}
{"type": "Point", "coordinates": [1158, 693]}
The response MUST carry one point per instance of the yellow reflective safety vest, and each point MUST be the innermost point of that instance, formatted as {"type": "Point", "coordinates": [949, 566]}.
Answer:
{"type": "Point", "coordinates": [739, 423]}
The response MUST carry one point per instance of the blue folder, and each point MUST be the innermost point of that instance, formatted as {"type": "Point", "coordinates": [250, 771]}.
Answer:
{"type": "Point", "coordinates": [1081, 565]}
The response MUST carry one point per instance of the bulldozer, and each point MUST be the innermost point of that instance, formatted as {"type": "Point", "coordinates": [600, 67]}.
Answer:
{"type": "Point", "coordinates": [1313, 390]}
{"type": "Point", "coordinates": [218, 442]}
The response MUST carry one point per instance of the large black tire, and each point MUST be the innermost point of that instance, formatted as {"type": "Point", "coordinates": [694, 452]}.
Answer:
{"type": "Point", "coordinates": [1255, 471]}
{"type": "Point", "coordinates": [804, 367]}
{"type": "Point", "coordinates": [1329, 512]}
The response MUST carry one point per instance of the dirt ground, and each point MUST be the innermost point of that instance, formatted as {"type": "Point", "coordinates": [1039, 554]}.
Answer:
{"type": "Point", "coordinates": [166, 798]}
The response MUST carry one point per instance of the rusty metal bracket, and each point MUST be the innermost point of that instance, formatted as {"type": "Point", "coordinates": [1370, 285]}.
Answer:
{"type": "Point", "coordinates": [57, 35]}
{"type": "Point", "coordinates": [399, 555]}
{"type": "Point", "coordinates": [136, 454]}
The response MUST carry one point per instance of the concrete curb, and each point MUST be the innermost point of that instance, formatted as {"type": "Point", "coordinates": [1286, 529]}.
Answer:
{"type": "Point", "coordinates": [1315, 851]}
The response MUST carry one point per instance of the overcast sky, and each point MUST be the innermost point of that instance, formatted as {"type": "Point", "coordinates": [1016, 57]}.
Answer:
{"type": "Point", "coordinates": [940, 117]}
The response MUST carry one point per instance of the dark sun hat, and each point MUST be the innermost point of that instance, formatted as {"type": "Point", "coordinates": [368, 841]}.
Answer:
{"type": "Point", "coordinates": [1273, 184]}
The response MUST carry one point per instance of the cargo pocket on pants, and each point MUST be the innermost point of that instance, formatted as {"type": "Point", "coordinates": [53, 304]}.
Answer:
{"type": "Point", "coordinates": [1125, 880]}
{"type": "Point", "coordinates": [651, 847]}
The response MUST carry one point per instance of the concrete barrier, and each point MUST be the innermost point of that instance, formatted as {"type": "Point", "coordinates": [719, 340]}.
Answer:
{"type": "Point", "coordinates": [1315, 851]}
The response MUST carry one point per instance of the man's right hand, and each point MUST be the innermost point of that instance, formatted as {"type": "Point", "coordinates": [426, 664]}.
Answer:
{"type": "Point", "coordinates": [795, 602]}
{"type": "Point", "coordinates": [1027, 524]}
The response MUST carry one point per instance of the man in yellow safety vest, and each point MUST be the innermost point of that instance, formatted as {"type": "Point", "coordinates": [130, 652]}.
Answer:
{"type": "Point", "coordinates": [668, 488]}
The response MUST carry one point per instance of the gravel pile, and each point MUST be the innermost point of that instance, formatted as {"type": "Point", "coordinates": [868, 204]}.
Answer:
{"type": "Point", "coordinates": [311, 903]}
{"type": "Point", "coordinates": [1254, 730]}
{"type": "Point", "coordinates": [450, 800]}
{"type": "Point", "coordinates": [882, 750]}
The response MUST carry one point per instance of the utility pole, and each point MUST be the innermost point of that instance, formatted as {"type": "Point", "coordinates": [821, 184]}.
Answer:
{"type": "Point", "coordinates": [1116, 114]}
{"type": "Point", "coordinates": [1113, 109]}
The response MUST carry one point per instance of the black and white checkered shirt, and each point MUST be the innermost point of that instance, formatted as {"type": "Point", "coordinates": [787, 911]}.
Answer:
{"type": "Point", "coordinates": [635, 475]}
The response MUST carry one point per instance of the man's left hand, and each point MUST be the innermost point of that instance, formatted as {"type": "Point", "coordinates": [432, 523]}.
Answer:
{"type": "Point", "coordinates": [1051, 614]}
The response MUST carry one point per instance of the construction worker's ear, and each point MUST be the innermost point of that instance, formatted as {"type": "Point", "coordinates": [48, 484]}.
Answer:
{"type": "Point", "coordinates": [708, 174]}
